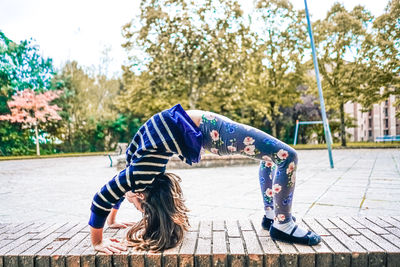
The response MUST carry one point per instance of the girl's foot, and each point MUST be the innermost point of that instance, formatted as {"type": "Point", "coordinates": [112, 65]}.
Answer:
{"type": "Point", "coordinates": [293, 234]}
{"type": "Point", "coordinates": [266, 222]}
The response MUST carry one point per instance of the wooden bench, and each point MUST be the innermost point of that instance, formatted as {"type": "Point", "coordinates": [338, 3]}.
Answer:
{"type": "Point", "coordinates": [387, 138]}
{"type": "Point", "coordinates": [347, 241]}
{"type": "Point", "coordinates": [119, 152]}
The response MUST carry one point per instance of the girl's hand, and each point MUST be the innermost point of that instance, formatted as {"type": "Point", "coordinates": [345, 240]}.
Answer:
{"type": "Point", "coordinates": [120, 225]}
{"type": "Point", "coordinates": [110, 246]}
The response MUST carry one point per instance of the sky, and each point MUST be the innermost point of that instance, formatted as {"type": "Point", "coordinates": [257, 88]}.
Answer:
{"type": "Point", "coordinates": [82, 29]}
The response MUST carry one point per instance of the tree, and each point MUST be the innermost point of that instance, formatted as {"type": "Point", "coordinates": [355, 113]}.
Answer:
{"type": "Point", "coordinates": [21, 67]}
{"type": "Point", "coordinates": [339, 39]}
{"type": "Point", "coordinates": [275, 69]}
{"type": "Point", "coordinates": [191, 51]}
{"type": "Point", "coordinates": [382, 58]}
{"type": "Point", "coordinates": [89, 114]}
{"type": "Point", "coordinates": [30, 109]}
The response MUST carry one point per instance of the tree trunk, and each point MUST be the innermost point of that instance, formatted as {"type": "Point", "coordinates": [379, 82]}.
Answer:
{"type": "Point", "coordinates": [37, 140]}
{"type": "Point", "coordinates": [342, 125]}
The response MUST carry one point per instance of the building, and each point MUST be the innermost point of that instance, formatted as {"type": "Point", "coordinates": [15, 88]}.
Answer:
{"type": "Point", "coordinates": [377, 122]}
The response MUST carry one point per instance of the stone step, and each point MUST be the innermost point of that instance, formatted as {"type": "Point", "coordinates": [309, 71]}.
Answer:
{"type": "Point", "coordinates": [347, 241]}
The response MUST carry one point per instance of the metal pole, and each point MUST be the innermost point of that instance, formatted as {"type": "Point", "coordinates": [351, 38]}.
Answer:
{"type": "Point", "coordinates": [295, 132]}
{"type": "Point", "coordinates": [321, 97]}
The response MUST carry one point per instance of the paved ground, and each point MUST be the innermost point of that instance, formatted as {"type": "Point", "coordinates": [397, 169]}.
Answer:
{"type": "Point", "coordinates": [363, 183]}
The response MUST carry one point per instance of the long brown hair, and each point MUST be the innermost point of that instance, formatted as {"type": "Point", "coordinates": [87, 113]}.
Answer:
{"type": "Point", "coordinates": [165, 217]}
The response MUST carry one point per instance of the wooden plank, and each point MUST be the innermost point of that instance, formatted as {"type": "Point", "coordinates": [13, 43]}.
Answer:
{"type": "Point", "coordinates": [306, 254]}
{"type": "Point", "coordinates": [58, 257]}
{"type": "Point", "coordinates": [170, 257]}
{"type": "Point", "coordinates": [370, 225]}
{"type": "Point", "coordinates": [392, 239]}
{"type": "Point", "coordinates": [259, 230]}
{"type": "Point", "coordinates": [359, 256]}
{"type": "Point", "coordinates": [245, 225]}
{"type": "Point", "coordinates": [391, 221]}
{"type": "Point", "coordinates": [187, 249]}
{"type": "Point", "coordinates": [73, 258]}
{"type": "Point", "coordinates": [272, 252]}
{"type": "Point", "coordinates": [393, 252]}
{"type": "Point", "coordinates": [315, 226]}
{"type": "Point", "coordinates": [9, 227]}
{"type": "Point", "coordinates": [376, 255]}
{"type": "Point", "coordinates": [18, 228]}
{"type": "Point", "coordinates": [378, 221]}
{"type": "Point", "coordinates": [393, 258]}
{"type": "Point", "coordinates": [381, 242]}
{"type": "Point", "coordinates": [394, 230]}
{"type": "Point", "coordinates": [66, 227]}
{"type": "Point", "coordinates": [49, 231]}
{"type": "Point", "coordinates": [341, 256]}
{"type": "Point", "coordinates": [136, 257]}
{"type": "Point", "coordinates": [73, 230]}
{"type": "Point", "coordinates": [17, 246]}
{"type": "Point", "coordinates": [218, 225]}
{"type": "Point", "coordinates": [237, 255]}
{"type": "Point", "coordinates": [152, 259]}
{"type": "Point", "coordinates": [288, 256]}
{"type": "Point", "coordinates": [253, 248]}
{"type": "Point", "coordinates": [232, 228]}
{"type": "Point", "coordinates": [344, 226]}
{"type": "Point", "coordinates": [352, 222]}
{"type": "Point", "coordinates": [325, 223]}
{"type": "Point", "coordinates": [203, 251]}
{"type": "Point", "coordinates": [205, 229]}
{"type": "Point", "coordinates": [219, 249]}
{"type": "Point", "coordinates": [17, 234]}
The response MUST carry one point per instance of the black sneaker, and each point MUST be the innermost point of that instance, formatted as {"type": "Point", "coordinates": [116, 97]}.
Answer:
{"type": "Point", "coordinates": [266, 223]}
{"type": "Point", "coordinates": [310, 238]}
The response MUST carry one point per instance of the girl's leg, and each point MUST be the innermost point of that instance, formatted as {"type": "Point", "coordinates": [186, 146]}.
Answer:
{"type": "Point", "coordinates": [223, 136]}
{"type": "Point", "coordinates": [267, 173]}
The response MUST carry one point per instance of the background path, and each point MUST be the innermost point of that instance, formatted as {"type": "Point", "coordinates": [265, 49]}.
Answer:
{"type": "Point", "coordinates": [363, 183]}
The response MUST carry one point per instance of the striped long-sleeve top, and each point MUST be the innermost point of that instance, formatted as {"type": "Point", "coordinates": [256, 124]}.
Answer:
{"type": "Point", "coordinates": [166, 133]}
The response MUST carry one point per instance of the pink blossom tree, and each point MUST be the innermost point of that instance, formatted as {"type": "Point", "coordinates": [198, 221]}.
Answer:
{"type": "Point", "coordinates": [31, 109]}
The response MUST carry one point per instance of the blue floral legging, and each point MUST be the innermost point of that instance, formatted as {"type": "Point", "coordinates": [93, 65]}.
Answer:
{"type": "Point", "coordinates": [277, 172]}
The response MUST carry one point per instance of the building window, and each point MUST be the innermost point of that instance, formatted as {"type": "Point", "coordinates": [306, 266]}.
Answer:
{"type": "Point", "coordinates": [386, 123]}
{"type": "Point", "coordinates": [369, 113]}
{"type": "Point", "coordinates": [386, 102]}
{"type": "Point", "coordinates": [385, 111]}
{"type": "Point", "coordinates": [369, 123]}
{"type": "Point", "coordinates": [385, 132]}
{"type": "Point", "coordinates": [370, 133]}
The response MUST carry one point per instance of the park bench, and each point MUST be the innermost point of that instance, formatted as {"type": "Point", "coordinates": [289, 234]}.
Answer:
{"type": "Point", "coordinates": [347, 241]}
{"type": "Point", "coordinates": [118, 153]}
{"type": "Point", "coordinates": [387, 138]}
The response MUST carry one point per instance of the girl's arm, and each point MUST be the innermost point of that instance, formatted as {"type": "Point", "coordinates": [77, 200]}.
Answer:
{"type": "Point", "coordinates": [111, 220]}
{"type": "Point", "coordinates": [108, 246]}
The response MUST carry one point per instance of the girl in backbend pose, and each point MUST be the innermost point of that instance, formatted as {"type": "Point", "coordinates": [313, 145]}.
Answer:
{"type": "Point", "coordinates": [158, 195]}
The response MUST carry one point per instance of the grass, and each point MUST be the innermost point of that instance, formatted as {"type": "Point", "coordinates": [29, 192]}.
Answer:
{"type": "Point", "coordinates": [60, 155]}
{"type": "Point", "coordinates": [350, 145]}
{"type": "Point", "coordinates": [353, 145]}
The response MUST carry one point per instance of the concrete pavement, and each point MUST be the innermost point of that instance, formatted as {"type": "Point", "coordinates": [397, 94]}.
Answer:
{"type": "Point", "coordinates": [363, 183]}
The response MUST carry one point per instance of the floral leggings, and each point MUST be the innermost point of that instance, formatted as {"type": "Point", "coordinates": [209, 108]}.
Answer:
{"type": "Point", "coordinates": [277, 172]}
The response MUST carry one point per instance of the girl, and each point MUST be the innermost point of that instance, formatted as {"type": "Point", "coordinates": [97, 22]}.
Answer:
{"type": "Point", "coordinates": [158, 195]}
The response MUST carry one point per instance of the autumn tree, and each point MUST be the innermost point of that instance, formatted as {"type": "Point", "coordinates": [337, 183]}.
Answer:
{"type": "Point", "coordinates": [31, 109]}
{"type": "Point", "coordinates": [21, 66]}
